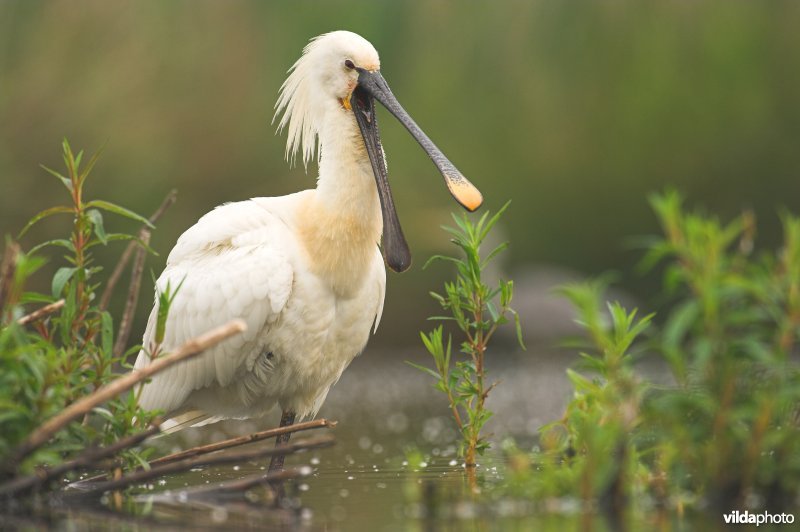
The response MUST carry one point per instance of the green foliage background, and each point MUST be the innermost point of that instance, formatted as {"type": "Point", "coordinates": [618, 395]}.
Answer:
{"type": "Point", "coordinates": [576, 110]}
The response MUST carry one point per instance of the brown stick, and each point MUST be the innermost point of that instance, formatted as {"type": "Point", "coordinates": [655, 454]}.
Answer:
{"type": "Point", "coordinates": [7, 269]}
{"type": "Point", "coordinates": [122, 384]}
{"type": "Point", "coordinates": [185, 465]}
{"type": "Point", "coordinates": [89, 457]}
{"type": "Point", "coordinates": [126, 255]}
{"type": "Point", "coordinates": [113, 279]}
{"type": "Point", "coordinates": [241, 440]}
{"type": "Point", "coordinates": [126, 323]}
{"type": "Point", "coordinates": [40, 313]}
{"type": "Point", "coordinates": [229, 443]}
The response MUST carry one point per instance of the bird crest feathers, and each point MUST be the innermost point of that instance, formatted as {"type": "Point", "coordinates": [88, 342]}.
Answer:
{"type": "Point", "coordinates": [294, 102]}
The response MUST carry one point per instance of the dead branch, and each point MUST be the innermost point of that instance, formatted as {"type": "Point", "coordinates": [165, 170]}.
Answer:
{"type": "Point", "coordinates": [122, 384]}
{"type": "Point", "coordinates": [40, 313]}
{"type": "Point", "coordinates": [126, 255]}
{"type": "Point", "coordinates": [90, 457]}
{"type": "Point", "coordinates": [241, 440]}
{"type": "Point", "coordinates": [126, 323]}
{"type": "Point", "coordinates": [7, 269]}
{"type": "Point", "coordinates": [230, 443]}
{"type": "Point", "coordinates": [187, 464]}
{"type": "Point", "coordinates": [113, 279]}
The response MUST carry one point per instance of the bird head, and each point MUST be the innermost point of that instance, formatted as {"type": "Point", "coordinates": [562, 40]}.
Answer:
{"type": "Point", "coordinates": [340, 72]}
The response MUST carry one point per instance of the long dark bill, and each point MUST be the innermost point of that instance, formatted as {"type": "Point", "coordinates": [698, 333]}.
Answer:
{"type": "Point", "coordinates": [462, 190]}
{"type": "Point", "coordinates": [395, 248]}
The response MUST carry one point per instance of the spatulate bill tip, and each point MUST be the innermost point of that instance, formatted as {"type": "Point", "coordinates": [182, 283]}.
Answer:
{"type": "Point", "coordinates": [464, 192]}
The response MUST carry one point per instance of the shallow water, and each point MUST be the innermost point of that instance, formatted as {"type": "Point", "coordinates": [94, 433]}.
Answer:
{"type": "Point", "coordinates": [388, 414]}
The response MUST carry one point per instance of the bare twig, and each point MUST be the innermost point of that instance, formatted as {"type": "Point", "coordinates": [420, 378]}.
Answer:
{"type": "Point", "coordinates": [241, 440]}
{"type": "Point", "coordinates": [7, 269]}
{"type": "Point", "coordinates": [122, 384]}
{"type": "Point", "coordinates": [40, 313]}
{"type": "Point", "coordinates": [88, 458]}
{"type": "Point", "coordinates": [126, 255]}
{"type": "Point", "coordinates": [126, 323]}
{"type": "Point", "coordinates": [229, 443]}
{"type": "Point", "coordinates": [113, 279]}
{"type": "Point", "coordinates": [185, 465]}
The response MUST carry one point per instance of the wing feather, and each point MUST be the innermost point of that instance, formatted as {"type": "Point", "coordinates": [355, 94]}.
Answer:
{"type": "Point", "coordinates": [231, 264]}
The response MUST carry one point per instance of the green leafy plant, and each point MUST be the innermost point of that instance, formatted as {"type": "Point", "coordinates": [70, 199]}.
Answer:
{"type": "Point", "coordinates": [477, 310]}
{"type": "Point", "coordinates": [725, 432]}
{"type": "Point", "coordinates": [592, 451]}
{"type": "Point", "coordinates": [729, 427]}
{"type": "Point", "coordinates": [50, 361]}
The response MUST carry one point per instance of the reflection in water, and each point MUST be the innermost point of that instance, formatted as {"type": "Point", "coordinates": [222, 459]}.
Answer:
{"type": "Point", "coordinates": [394, 467]}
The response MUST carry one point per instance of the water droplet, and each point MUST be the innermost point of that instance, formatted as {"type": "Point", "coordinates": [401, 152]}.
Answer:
{"type": "Point", "coordinates": [236, 468]}
{"type": "Point", "coordinates": [314, 460]}
{"type": "Point", "coordinates": [453, 462]}
{"type": "Point", "coordinates": [303, 487]}
{"type": "Point", "coordinates": [364, 442]}
{"type": "Point", "coordinates": [377, 448]}
{"type": "Point", "coordinates": [219, 514]}
{"type": "Point", "coordinates": [397, 422]}
{"type": "Point", "coordinates": [343, 493]}
{"type": "Point", "coordinates": [350, 477]}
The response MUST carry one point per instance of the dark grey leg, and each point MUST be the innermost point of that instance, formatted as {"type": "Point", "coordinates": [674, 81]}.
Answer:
{"type": "Point", "coordinates": [276, 464]}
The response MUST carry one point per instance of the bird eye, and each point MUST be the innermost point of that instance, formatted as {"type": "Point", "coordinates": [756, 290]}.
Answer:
{"type": "Point", "coordinates": [349, 64]}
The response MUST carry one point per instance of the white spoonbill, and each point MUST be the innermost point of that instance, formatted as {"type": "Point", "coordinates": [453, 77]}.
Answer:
{"type": "Point", "coordinates": [304, 270]}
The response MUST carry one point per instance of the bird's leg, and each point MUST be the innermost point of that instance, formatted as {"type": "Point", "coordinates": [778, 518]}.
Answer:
{"type": "Point", "coordinates": [276, 464]}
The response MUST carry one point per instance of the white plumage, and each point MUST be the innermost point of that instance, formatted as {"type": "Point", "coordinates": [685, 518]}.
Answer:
{"type": "Point", "coordinates": [304, 270]}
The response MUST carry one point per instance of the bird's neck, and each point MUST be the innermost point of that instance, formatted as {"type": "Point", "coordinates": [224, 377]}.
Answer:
{"type": "Point", "coordinates": [346, 181]}
{"type": "Point", "coordinates": [342, 222]}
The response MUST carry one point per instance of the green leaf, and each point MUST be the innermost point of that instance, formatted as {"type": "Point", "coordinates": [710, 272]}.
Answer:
{"type": "Point", "coordinates": [44, 214]}
{"type": "Point", "coordinates": [493, 311]}
{"type": "Point", "coordinates": [122, 211]}
{"type": "Point", "coordinates": [107, 333]}
{"type": "Point", "coordinates": [67, 183]}
{"type": "Point", "coordinates": [114, 237]}
{"type": "Point", "coordinates": [90, 165]}
{"type": "Point", "coordinates": [96, 217]}
{"type": "Point", "coordinates": [427, 370]}
{"type": "Point", "coordinates": [60, 278]}
{"type": "Point", "coordinates": [57, 242]}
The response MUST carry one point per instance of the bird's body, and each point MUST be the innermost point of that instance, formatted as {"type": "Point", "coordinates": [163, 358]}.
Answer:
{"type": "Point", "coordinates": [304, 271]}
{"type": "Point", "coordinates": [305, 324]}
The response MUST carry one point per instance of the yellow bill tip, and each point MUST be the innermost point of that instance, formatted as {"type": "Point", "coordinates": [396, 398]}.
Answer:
{"type": "Point", "coordinates": [464, 192]}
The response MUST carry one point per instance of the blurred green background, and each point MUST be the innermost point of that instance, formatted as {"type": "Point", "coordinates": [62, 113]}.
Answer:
{"type": "Point", "coordinates": [575, 110]}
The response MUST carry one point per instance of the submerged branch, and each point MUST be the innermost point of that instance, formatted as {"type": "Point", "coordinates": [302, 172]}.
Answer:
{"type": "Point", "coordinates": [122, 384]}
{"type": "Point", "coordinates": [245, 483]}
{"type": "Point", "coordinates": [230, 443]}
{"type": "Point", "coordinates": [89, 457]}
{"type": "Point", "coordinates": [198, 461]}
{"type": "Point", "coordinates": [241, 440]}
